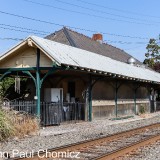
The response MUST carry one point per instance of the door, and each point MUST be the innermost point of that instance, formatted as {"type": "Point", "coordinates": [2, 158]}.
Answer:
{"type": "Point", "coordinates": [71, 89]}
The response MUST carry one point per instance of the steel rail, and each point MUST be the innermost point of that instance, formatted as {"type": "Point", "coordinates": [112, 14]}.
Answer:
{"type": "Point", "coordinates": [127, 149]}
{"type": "Point", "coordinates": [93, 142]}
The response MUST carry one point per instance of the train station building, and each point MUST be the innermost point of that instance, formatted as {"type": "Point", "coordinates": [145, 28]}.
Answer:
{"type": "Point", "coordinates": [74, 77]}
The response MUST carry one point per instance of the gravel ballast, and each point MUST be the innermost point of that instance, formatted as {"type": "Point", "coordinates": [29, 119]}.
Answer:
{"type": "Point", "coordinates": [56, 136]}
{"type": "Point", "coordinates": [151, 152]}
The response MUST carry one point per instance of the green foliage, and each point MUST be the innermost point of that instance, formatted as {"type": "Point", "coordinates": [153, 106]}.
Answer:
{"type": "Point", "coordinates": [4, 85]}
{"type": "Point", "coordinates": [7, 88]}
{"type": "Point", "coordinates": [153, 53]}
{"type": "Point", "coordinates": [142, 109]}
{"type": "Point", "coordinates": [6, 126]}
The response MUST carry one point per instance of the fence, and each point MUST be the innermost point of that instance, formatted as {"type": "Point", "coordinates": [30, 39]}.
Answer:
{"type": "Point", "coordinates": [154, 106]}
{"type": "Point", "coordinates": [51, 113]}
{"type": "Point", "coordinates": [157, 106]}
{"type": "Point", "coordinates": [56, 113]}
{"type": "Point", "coordinates": [24, 106]}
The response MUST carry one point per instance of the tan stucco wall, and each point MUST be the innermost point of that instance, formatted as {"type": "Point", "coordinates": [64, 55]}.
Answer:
{"type": "Point", "coordinates": [103, 100]}
{"type": "Point", "coordinates": [24, 59]}
{"type": "Point", "coordinates": [124, 109]}
{"type": "Point", "coordinates": [103, 90]}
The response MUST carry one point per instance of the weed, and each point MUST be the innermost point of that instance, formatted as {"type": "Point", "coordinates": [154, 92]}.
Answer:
{"type": "Point", "coordinates": [6, 126]}
{"type": "Point", "coordinates": [142, 109]}
{"type": "Point", "coordinates": [16, 124]}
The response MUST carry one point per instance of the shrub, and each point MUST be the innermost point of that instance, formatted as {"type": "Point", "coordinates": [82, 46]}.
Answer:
{"type": "Point", "coordinates": [26, 125]}
{"type": "Point", "coordinates": [142, 109]}
{"type": "Point", "coordinates": [16, 124]}
{"type": "Point", "coordinates": [6, 126]}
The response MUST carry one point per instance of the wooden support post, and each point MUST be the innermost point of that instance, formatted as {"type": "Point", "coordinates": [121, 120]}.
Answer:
{"type": "Point", "coordinates": [116, 98]}
{"type": "Point", "coordinates": [39, 81]}
{"type": "Point", "coordinates": [90, 99]}
{"type": "Point", "coordinates": [116, 87]}
{"type": "Point", "coordinates": [135, 99]}
{"type": "Point", "coordinates": [38, 88]}
{"type": "Point", "coordinates": [135, 88]}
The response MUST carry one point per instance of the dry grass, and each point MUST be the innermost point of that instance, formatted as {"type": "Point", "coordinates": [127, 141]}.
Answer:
{"type": "Point", "coordinates": [15, 124]}
{"type": "Point", "coordinates": [6, 126]}
{"type": "Point", "coordinates": [26, 125]}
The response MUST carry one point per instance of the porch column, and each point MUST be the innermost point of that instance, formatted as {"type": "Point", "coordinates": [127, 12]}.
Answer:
{"type": "Point", "coordinates": [116, 98]}
{"type": "Point", "coordinates": [135, 103]}
{"type": "Point", "coordinates": [150, 89]}
{"type": "Point", "coordinates": [155, 101]}
{"type": "Point", "coordinates": [38, 88]}
{"type": "Point", "coordinates": [116, 87]}
{"type": "Point", "coordinates": [90, 99]}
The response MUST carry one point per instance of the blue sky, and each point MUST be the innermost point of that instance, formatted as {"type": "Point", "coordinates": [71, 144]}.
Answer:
{"type": "Point", "coordinates": [121, 21]}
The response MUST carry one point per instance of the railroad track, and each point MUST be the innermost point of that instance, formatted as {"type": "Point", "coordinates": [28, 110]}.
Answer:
{"type": "Point", "coordinates": [104, 148]}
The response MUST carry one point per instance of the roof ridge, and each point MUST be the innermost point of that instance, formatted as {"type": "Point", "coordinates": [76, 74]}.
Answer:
{"type": "Point", "coordinates": [98, 42]}
{"type": "Point", "coordinates": [94, 40]}
{"type": "Point", "coordinates": [71, 41]}
{"type": "Point", "coordinates": [79, 33]}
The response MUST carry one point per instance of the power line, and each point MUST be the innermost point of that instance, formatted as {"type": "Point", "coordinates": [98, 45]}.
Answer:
{"type": "Point", "coordinates": [77, 28]}
{"type": "Point", "coordinates": [13, 39]}
{"type": "Point", "coordinates": [88, 14]}
{"type": "Point", "coordinates": [107, 41]}
{"type": "Point", "coordinates": [123, 42]}
{"type": "Point", "coordinates": [28, 18]}
{"type": "Point", "coordinates": [34, 30]}
{"type": "Point", "coordinates": [119, 10]}
{"type": "Point", "coordinates": [100, 11]}
{"type": "Point", "coordinates": [23, 31]}
{"type": "Point", "coordinates": [134, 47]}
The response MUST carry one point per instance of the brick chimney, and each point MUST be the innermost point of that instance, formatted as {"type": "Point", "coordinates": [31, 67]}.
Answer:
{"type": "Point", "coordinates": [98, 37]}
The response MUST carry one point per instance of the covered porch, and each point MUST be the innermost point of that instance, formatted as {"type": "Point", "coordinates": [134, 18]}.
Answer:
{"type": "Point", "coordinates": [60, 97]}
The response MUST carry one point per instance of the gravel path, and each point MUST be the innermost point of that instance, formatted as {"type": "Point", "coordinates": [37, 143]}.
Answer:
{"type": "Point", "coordinates": [56, 136]}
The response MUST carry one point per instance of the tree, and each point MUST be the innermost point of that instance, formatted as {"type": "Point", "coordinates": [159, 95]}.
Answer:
{"type": "Point", "coordinates": [153, 54]}
{"type": "Point", "coordinates": [4, 85]}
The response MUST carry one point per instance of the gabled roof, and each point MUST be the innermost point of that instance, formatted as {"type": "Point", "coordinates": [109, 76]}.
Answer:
{"type": "Point", "coordinates": [88, 61]}
{"type": "Point", "coordinates": [75, 39]}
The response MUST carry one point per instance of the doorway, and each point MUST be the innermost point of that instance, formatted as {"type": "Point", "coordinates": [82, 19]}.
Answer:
{"type": "Point", "coordinates": [71, 89]}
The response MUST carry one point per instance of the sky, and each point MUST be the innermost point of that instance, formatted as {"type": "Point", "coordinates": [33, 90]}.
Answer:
{"type": "Point", "coordinates": [127, 25]}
